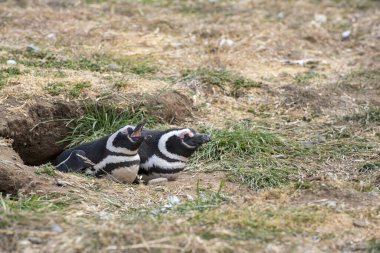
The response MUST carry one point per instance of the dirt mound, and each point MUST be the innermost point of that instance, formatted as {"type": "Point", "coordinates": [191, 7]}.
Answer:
{"type": "Point", "coordinates": [171, 106]}
{"type": "Point", "coordinates": [36, 128]}
{"type": "Point", "coordinates": [15, 177]}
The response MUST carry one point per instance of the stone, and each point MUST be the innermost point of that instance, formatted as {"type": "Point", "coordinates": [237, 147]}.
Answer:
{"type": "Point", "coordinates": [158, 181]}
{"type": "Point", "coordinates": [11, 62]}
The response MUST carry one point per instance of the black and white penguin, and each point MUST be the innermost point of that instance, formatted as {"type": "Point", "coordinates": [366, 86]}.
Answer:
{"type": "Point", "coordinates": [164, 153]}
{"type": "Point", "coordinates": [115, 156]}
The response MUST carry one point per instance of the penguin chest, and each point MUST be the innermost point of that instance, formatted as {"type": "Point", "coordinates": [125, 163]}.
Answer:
{"type": "Point", "coordinates": [124, 174]}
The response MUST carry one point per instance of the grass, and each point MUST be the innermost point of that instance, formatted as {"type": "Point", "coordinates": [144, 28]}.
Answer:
{"type": "Point", "coordinates": [70, 89]}
{"type": "Point", "coordinates": [252, 157]}
{"type": "Point", "coordinates": [47, 169]}
{"type": "Point", "coordinates": [29, 203]}
{"type": "Point", "coordinates": [99, 120]}
{"type": "Point", "coordinates": [369, 116]}
{"type": "Point", "coordinates": [8, 73]}
{"type": "Point", "coordinates": [137, 64]}
{"type": "Point", "coordinates": [221, 78]}
{"type": "Point", "coordinates": [302, 78]}
{"type": "Point", "coordinates": [373, 246]}
{"type": "Point", "coordinates": [204, 200]}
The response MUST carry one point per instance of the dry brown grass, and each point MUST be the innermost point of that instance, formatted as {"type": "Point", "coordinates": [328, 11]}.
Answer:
{"type": "Point", "coordinates": [330, 207]}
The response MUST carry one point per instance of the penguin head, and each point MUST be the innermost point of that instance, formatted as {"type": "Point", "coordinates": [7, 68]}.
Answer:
{"type": "Point", "coordinates": [130, 137]}
{"type": "Point", "coordinates": [185, 141]}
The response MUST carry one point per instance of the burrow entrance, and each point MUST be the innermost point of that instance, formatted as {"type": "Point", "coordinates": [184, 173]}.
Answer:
{"type": "Point", "coordinates": [37, 128]}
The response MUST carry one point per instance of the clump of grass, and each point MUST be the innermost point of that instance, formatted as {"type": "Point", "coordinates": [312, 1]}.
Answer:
{"type": "Point", "coordinates": [302, 78]}
{"type": "Point", "coordinates": [99, 120]}
{"type": "Point", "coordinates": [251, 156]}
{"type": "Point", "coordinates": [47, 169]}
{"type": "Point", "coordinates": [221, 78]}
{"type": "Point", "coordinates": [55, 88]}
{"type": "Point", "coordinates": [29, 203]}
{"type": "Point", "coordinates": [78, 87]}
{"type": "Point", "coordinates": [139, 65]}
{"type": "Point", "coordinates": [7, 73]}
{"type": "Point", "coordinates": [370, 166]}
{"type": "Point", "coordinates": [239, 141]}
{"type": "Point", "coordinates": [71, 89]}
{"type": "Point", "coordinates": [259, 178]}
{"type": "Point", "coordinates": [204, 200]}
{"type": "Point", "coordinates": [371, 115]}
{"type": "Point", "coordinates": [373, 246]}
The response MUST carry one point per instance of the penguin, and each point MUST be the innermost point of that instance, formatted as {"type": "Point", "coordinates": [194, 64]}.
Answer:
{"type": "Point", "coordinates": [164, 153]}
{"type": "Point", "coordinates": [114, 156]}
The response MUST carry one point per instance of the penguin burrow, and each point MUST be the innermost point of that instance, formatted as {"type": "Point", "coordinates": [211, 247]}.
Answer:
{"type": "Point", "coordinates": [164, 153]}
{"type": "Point", "coordinates": [115, 156]}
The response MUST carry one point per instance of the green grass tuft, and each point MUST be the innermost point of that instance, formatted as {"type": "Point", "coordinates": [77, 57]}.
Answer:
{"type": "Point", "coordinates": [302, 78]}
{"type": "Point", "coordinates": [138, 64]}
{"type": "Point", "coordinates": [253, 157]}
{"type": "Point", "coordinates": [100, 120]}
{"type": "Point", "coordinates": [204, 200]}
{"type": "Point", "coordinates": [47, 169]}
{"type": "Point", "coordinates": [7, 73]}
{"type": "Point", "coordinates": [71, 89]}
{"type": "Point", "coordinates": [373, 246]}
{"type": "Point", "coordinates": [221, 78]}
{"type": "Point", "coordinates": [371, 115]}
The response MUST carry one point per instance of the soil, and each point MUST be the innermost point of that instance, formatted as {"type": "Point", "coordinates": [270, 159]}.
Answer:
{"type": "Point", "coordinates": [37, 128]}
{"type": "Point", "coordinates": [17, 178]}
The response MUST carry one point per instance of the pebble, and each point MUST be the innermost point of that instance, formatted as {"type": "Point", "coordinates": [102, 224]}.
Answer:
{"type": "Point", "coordinates": [56, 228]}
{"type": "Point", "coordinates": [320, 18]}
{"type": "Point", "coordinates": [226, 42]}
{"type": "Point", "coordinates": [281, 15]}
{"type": "Point", "coordinates": [346, 35]}
{"type": "Point", "coordinates": [50, 36]}
{"type": "Point", "coordinates": [361, 223]}
{"type": "Point", "coordinates": [113, 66]}
{"type": "Point", "coordinates": [35, 240]}
{"type": "Point", "coordinates": [11, 62]}
{"type": "Point", "coordinates": [173, 200]}
{"type": "Point", "coordinates": [156, 181]}
{"type": "Point", "coordinates": [331, 203]}
{"type": "Point", "coordinates": [32, 47]}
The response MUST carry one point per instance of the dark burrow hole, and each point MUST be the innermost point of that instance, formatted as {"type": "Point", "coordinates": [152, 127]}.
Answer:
{"type": "Point", "coordinates": [37, 133]}
{"type": "Point", "coordinates": [38, 130]}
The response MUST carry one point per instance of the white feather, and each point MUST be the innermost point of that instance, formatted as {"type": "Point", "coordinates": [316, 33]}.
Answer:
{"type": "Point", "coordinates": [161, 163]}
{"type": "Point", "coordinates": [116, 159]}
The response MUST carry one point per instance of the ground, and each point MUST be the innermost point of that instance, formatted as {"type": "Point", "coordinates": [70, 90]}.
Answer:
{"type": "Point", "coordinates": [292, 105]}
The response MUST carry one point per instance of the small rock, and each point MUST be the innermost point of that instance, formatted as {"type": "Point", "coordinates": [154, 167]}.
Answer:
{"type": "Point", "coordinates": [280, 156]}
{"type": "Point", "coordinates": [113, 66]}
{"type": "Point", "coordinates": [374, 194]}
{"type": "Point", "coordinates": [331, 203]}
{"type": "Point", "coordinates": [361, 223]}
{"type": "Point", "coordinates": [346, 35]}
{"type": "Point", "coordinates": [104, 215]}
{"type": "Point", "coordinates": [226, 42]}
{"type": "Point", "coordinates": [32, 47]}
{"type": "Point", "coordinates": [24, 242]}
{"type": "Point", "coordinates": [281, 15]}
{"type": "Point", "coordinates": [35, 240]}
{"type": "Point", "coordinates": [189, 197]}
{"type": "Point", "coordinates": [321, 139]}
{"type": "Point", "coordinates": [156, 181]}
{"type": "Point", "coordinates": [50, 36]}
{"type": "Point", "coordinates": [11, 62]}
{"type": "Point", "coordinates": [320, 18]}
{"type": "Point", "coordinates": [173, 200]}
{"type": "Point", "coordinates": [56, 228]}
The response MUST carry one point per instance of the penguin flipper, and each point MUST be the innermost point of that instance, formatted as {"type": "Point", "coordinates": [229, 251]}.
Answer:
{"type": "Point", "coordinates": [76, 161]}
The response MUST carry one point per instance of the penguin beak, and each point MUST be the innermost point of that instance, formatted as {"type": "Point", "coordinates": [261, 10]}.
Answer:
{"type": "Point", "coordinates": [205, 138]}
{"type": "Point", "coordinates": [137, 131]}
